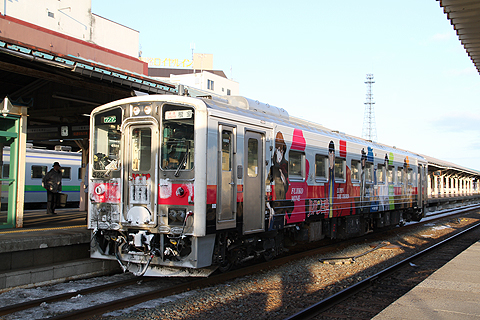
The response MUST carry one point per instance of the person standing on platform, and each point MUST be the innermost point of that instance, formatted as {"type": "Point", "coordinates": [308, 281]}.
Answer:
{"type": "Point", "coordinates": [52, 181]}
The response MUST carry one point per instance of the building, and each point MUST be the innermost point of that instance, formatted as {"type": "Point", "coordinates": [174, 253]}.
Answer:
{"type": "Point", "coordinates": [214, 81]}
{"type": "Point", "coordinates": [69, 27]}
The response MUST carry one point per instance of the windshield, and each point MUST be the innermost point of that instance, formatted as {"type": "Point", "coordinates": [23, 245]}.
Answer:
{"type": "Point", "coordinates": [177, 138]}
{"type": "Point", "coordinates": [106, 140]}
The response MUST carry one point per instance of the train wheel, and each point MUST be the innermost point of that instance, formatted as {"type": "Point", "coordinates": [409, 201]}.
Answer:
{"type": "Point", "coordinates": [225, 266]}
{"type": "Point", "coordinates": [268, 255]}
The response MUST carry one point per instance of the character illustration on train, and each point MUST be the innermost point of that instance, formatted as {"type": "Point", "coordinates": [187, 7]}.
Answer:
{"type": "Point", "coordinates": [183, 186]}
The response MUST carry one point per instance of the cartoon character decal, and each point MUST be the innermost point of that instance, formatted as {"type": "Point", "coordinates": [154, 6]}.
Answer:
{"type": "Point", "coordinates": [363, 182]}
{"type": "Point", "coordinates": [279, 179]}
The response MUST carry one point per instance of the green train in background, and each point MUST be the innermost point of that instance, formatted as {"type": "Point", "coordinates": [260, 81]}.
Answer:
{"type": "Point", "coordinates": [38, 163]}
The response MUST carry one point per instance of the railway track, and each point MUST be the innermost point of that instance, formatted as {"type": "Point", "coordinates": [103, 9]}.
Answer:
{"type": "Point", "coordinates": [370, 296]}
{"type": "Point", "coordinates": [169, 287]}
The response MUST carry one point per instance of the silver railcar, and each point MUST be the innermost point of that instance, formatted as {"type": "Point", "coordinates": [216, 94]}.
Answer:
{"type": "Point", "coordinates": [182, 186]}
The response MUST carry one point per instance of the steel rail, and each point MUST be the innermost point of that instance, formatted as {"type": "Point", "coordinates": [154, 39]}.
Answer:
{"type": "Point", "coordinates": [338, 297]}
{"type": "Point", "coordinates": [64, 296]}
{"type": "Point", "coordinates": [159, 293]}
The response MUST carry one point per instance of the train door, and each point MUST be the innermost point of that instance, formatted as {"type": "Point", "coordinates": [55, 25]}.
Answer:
{"type": "Point", "coordinates": [226, 182]}
{"type": "Point", "coordinates": [141, 159]}
{"type": "Point", "coordinates": [254, 182]}
{"type": "Point", "coordinates": [422, 186]}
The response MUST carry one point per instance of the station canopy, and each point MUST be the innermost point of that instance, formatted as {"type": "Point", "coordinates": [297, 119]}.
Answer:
{"type": "Point", "coordinates": [60, 91]}
{"type": "Point", "coordinates": [464, 15]}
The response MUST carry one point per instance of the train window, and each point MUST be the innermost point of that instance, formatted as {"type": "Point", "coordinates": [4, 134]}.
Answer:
{"type": "Point", "coordinates": [296, 164]}
{"type": "Point", "coordinates": [142, 149]}
{"type": "Point", "coordinates": [390, 176]}
{"type": "Point", "coordinates": [177, 136]}
{"type": "Point", "coordinates": [399, 175]}
{"type": "Point", "coordinates": [381, 173]}
{"type": "Point", "coordinates": [66, 172]}
{"type": "Point", "coordinates": [38, 172]}
{"type": "Point", "coordinates": [6, 171]}
{"type": "Point", "coordinates": [411, 176]}
{"type": "Point", "coordinates": [356, 169]}
{"type": "Point", "coordinates": [226, 150]}
{"type": "Point", "coordinates": [252, 157]}
{"type": "Point", "coordinates": [369, 172]}
{"type": "Point", "coordinates": [340, 168]}
{"type": "Point", "coordinates": [106, 140]}
{"type": "Point", "coordinates": [321, 166]}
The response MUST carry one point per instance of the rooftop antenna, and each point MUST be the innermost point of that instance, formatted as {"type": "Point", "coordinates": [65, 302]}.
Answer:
{"type": "Point", "coordinates": [369, 131]}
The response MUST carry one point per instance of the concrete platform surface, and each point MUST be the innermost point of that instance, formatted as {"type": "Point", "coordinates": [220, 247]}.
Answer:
{"type": "Point", "coordinates": [49, 249]}
{"type": "Point", "coordinates": [452, 292]}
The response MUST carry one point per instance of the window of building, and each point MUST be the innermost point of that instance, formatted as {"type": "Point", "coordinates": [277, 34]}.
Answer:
{"type": "Point", "coordinates": [296, 164]}
{"type": "Point", "coordinates": [210, 84]}
{"type": "Point", "coordinates": [321, 166]}
{"type": "Point", "coordinates": [228, 92]}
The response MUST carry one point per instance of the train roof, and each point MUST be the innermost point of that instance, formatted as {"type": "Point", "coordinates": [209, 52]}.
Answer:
{"type": "Point", "coordinates": [246, 107]}
{"type": "Point", "coordinates": [266, 112]}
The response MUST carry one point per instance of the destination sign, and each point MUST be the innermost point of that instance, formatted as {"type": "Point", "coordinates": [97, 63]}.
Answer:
{"type": "Point", "coordinates": [179, 114]}
{"type": "Point", "coordinates": [109, 119]}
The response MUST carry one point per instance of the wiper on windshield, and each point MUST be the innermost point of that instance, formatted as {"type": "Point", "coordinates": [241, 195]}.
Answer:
{"type": "Point", "coordinates": [184, 161]}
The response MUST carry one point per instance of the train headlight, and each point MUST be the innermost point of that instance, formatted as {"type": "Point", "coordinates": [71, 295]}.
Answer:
{"type": "Point", "coordinates": [136, 111]}
{"type": "Point", "coordinates": [147, 109]}
{"type": "Point", "coordinates": [180, 192]}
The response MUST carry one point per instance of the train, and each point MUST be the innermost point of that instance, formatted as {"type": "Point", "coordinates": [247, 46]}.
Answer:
{"type": "Point", "coordinates": [184, 186]}
{"type": "Point", "coordinates": [38, 162]}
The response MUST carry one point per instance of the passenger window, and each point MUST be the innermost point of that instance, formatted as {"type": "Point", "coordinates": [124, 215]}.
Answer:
{"type": "Point", "coordinates": [390, 174]}
{"type": "Point", "coordinates": [296, 164]}
{"type": "Point", "coordinates": [380, 173]}
{"type": "Point", "coordinates": [226, 150]}
{"type": "Point", "coordinates": [356, 170]}
{"type": "Point", "coordinates": [66, 172]}
{"type": "Point", "coordinates": [141, 149]}
{"type": "Point", "coordinates": [6, 171]}
{"type": "Point", "coordinates": [38, 172]}
{"type": "Point", "coordinates": [399, 175]}
{"type": "Point", "coordinates": [411, 176]}
{"type": "Point", "coordinates": [252, 157]}
{"type": "Point", "coordinates": [369, 172]}
{"type": "Point", "coordinates": [320, 166]}
{"type": "Point", "coordinates": [340, 169]}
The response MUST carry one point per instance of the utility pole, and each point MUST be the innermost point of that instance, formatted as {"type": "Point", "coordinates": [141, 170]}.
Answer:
{"type": "Point", "coordinates": [369, 130]}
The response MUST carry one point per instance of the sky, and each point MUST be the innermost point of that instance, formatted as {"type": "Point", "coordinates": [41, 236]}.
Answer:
{"type": "Point", "coordinates": [311, 58]}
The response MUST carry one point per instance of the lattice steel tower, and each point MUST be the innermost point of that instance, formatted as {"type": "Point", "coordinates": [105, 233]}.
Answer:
{"type": "Point", "coordinates": [369, 131]}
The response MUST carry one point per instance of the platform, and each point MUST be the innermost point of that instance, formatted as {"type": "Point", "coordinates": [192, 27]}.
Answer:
{"type": "Point", "coordinates": [452, 292]}
{"type": "Point", "coordinates": [50, 248]}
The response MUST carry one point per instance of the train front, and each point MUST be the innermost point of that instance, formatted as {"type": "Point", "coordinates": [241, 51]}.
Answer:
{"type": "Point", "coordinates": [142, 186]}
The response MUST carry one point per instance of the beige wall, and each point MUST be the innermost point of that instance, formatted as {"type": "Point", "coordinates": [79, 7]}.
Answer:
{"type": "Point", "coordinates": [74, 19]}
